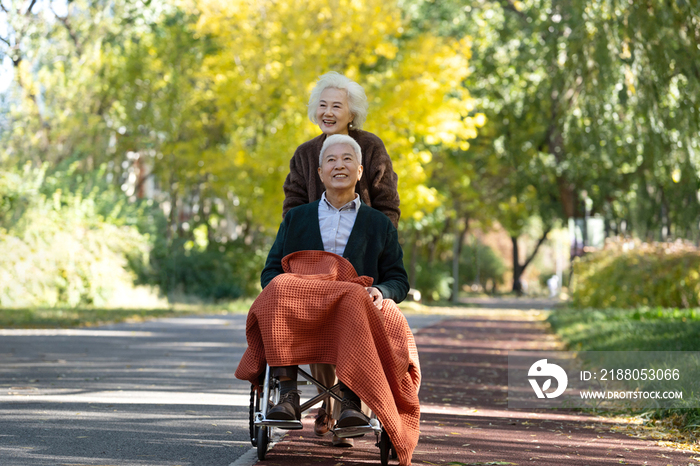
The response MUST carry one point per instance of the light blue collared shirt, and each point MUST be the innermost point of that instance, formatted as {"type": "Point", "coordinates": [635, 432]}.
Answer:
{"type": "Point", "coordinates": [336, 224]}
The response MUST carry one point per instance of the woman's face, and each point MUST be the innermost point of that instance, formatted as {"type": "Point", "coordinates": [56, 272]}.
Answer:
{"type": "Point", "coordinates": [333, 112]}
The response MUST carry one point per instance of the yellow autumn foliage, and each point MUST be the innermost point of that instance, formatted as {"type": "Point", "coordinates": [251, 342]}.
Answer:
{"type": "Point", "coordinates": [269, 55]}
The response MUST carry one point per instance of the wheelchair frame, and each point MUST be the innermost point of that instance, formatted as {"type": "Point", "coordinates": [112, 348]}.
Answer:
{"type": "Point", "coordinates": [261, 427]}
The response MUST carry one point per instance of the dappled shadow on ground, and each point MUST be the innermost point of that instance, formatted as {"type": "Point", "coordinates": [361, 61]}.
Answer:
{"type": "Point", "coordinates": [465, 418]}
{"type": "Point", "coordinates": [174, 354]}
{"type": "Point", "coordinates": [512, 302]}
{"type": "Point", "coordinates": [97, 433]}
{"type": "Point", "coordinates": [154, 393]}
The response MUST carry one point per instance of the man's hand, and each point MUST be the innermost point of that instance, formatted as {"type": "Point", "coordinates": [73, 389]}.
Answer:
{"type": "Point", "coordinates": [376, 296]}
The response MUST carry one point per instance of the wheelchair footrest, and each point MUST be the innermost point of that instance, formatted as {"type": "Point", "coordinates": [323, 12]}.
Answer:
{"type": "Point", "coordinates": [357, 431]}
{"type": "Point", "coordinates": [289, 425]}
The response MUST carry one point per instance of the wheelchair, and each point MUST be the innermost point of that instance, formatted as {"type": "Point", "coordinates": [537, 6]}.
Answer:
{"type": "Point", "coordinates": [261, 427]}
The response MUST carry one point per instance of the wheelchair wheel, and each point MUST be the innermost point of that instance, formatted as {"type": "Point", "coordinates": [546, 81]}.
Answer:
{"type": "Point", "coordinates": [254, 407]}
{"type": "Point", "coordinates": [385, 447]}
{"type": "Point", "coordinates": [263, 441]}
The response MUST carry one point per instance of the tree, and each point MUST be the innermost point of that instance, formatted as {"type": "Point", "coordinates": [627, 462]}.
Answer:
{"type": "Point", "coordinates": [262, 82]}
{"type": "Point", "coordinates": [584, 95]}
{"type": "Point", "coordinates": [206, 102]}
{"type": "Point", "coordinates": [60, 103]}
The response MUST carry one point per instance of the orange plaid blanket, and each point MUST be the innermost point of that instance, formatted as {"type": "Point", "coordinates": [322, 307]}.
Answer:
{"type": "Point", "coordinates": [319, 312]}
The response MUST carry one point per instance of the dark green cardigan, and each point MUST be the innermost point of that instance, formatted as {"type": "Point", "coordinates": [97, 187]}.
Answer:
{"type": "Point", "coordinates": [373, 247]}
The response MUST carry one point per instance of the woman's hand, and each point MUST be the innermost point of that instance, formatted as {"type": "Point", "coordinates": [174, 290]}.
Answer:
{"type": "Point", "coordinates": [376, 295]}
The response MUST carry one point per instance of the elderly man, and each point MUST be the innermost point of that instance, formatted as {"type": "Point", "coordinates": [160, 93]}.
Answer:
{"type": "Point", "coordinates": [341, 224]}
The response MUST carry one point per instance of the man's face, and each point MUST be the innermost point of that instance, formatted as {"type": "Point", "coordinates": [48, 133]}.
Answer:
{"type": "Point", "coordinates": [339, 168]}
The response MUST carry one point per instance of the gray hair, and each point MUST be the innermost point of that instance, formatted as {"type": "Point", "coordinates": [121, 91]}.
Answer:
{"type": "Point", "coordinates": [335, 139]}
{"type": "Point", "coordinates": [357, 100]}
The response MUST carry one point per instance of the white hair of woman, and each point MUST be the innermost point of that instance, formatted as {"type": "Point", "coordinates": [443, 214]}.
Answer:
{"type": "Point", "coordinates": [357, 99]}
{"type": "Point", "coordinates": [335, 139]}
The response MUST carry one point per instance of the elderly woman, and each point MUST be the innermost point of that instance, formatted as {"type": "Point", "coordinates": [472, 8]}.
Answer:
{"type": "Point", "coordinates": [338, 105]}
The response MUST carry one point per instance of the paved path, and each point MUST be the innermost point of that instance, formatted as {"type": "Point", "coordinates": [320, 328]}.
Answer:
{"type": "Point", "coordinates": [153, 394]}
{"type": "Point", "coordinates": [159, 393]}
{"type": "Point", "coordinates": [465, 420]}
{"type": "Point", "coordinates": [162, 393]}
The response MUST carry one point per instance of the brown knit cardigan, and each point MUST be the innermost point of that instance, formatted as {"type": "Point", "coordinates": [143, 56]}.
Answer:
{"type": "Point", "coordinates": [377, 187]}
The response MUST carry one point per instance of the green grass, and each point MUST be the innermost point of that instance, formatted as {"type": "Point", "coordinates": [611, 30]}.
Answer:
{"type": "Point", "coordinates": [45, 317]}
{"type": "Point", "coordinates": [642, 329]}
{"type": "Point", "coordinates": [89, 317]}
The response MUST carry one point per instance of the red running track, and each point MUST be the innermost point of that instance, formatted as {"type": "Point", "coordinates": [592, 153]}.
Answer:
{"type": "Point", "coordinates": [465, 420]}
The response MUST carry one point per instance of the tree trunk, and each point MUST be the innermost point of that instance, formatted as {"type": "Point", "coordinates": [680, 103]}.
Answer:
{"type": "Point", "coordinates": [519, 269]}
{"type": "Point", "coordinates": [414, 261]}
{"type": "Point", "coordinates": [456, 253]}
{"type": "Point", "coordinates": [172, 216]}
{"type": "Point", "coordinates": [568, 197]}
{"type": "Point", "coordinates": [433, 245]}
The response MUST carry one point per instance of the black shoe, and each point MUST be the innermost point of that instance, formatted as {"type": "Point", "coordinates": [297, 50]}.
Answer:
{"type": "Point", "coordinates": [287, 409]}
{"type": "Point", "coordinates": [351, 415]}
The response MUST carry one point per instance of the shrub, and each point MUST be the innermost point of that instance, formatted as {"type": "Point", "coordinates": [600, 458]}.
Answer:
{"type": "Point", "coordinates": [57, 248]}
{"type": "Point", "coordinates": [221, 271]}
{"type": "Point", "coordinates": [630, 274]}
{"type": "Point", "coordinates": [434, 280]}
{"type": "Point", "coordinates": [479, 263]}
{"type": "Point", "coordinates": [72, 238]}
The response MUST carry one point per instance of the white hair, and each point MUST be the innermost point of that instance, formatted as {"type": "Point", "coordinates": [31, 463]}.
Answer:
{"type": "Point", "coordinates": [357, 100]}
{"type": "Point", "coordinates": [335, 139]}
